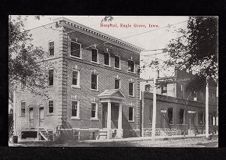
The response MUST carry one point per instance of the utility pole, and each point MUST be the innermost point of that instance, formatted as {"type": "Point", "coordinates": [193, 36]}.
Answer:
{"type": "Point", "coordinates": [14, 112]}
{"type": "Point", "coordinates": [207, 108]}
{"type": "Point", "coordinates": [154, 108]}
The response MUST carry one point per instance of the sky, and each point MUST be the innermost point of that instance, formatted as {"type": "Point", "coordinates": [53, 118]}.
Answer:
{"type": "Point", "coordinates": [147, 32]}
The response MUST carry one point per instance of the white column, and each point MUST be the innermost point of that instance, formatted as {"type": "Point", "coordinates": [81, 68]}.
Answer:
{"type": "Point", "coordinates": [109, 121]}
{"type": "Point", "coordinates": [120, 130]}
{"type": "Point", "coordinates": [207, 109]}
{"type": "Point", "coordinates": [120, 117]}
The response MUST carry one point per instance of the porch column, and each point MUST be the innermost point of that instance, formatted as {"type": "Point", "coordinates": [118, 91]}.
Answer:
{"type": "Point", "coordinates": [120, 131]}
{"type": "Point", "coordinates": [109, 134]}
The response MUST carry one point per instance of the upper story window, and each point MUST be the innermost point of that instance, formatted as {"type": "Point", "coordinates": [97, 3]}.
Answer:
{"type": "Point", "coordinates": [170, 115]}
{"type": "Point", "coordinates": [75, 49]}
{"type": "Point", "coordinates": [51, 48]}
{"type": "Point", "coordinates": [94, 82]}
{"type": "Point", "coordinates": [107, 59]}
{"type": "Point", "coordinates": [117, 83]}
{"type": "Point", "coordinates": [50, 106]}
{"type": "Point", "coordinates": [147, 87]}
{"type": "Point", "coordinates": [131, 114]}
{"type": "Point", "coordinates": [130, 66]}
{"type": "Point", "coordinates": [131, 88]}
{"type": "Point", "coordinates": [117, 62]}
{"type": "Point", "coordinates": [76, 78]}
{"type": "Point", "coordinates": [163, 88]}
{"type": "Point", "coordinates": [94, 110]}
{"type": "Point", "coordinates": [51, 77]}
{"type": "Point", "coordinates": [75, 109]}
{"type": "Point", "coordinates": [22, 113]}
{"type": "Point", "coordinates": [94, 55]}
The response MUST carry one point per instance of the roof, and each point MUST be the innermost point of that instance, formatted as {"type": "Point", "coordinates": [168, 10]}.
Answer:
{"type": "Point", "coordinates": [99, 34]}
{"type": "Point", "coordinates": [111, 93]}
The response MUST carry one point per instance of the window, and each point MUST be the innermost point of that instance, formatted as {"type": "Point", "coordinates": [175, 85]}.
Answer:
{"type": "Point", "coordinates": [51, 77]}
{"type": "Point", "coordinates": [75, 49]}
{"type": "Point", "coordinates": [51, 106]}
{"type": "Point", "coordinates": [131, 114]}
{"type": "Point", "coordinates": [164, 88]}
{"type": "Point", "coordinates": [94, 110]}
{"type": "Point", "coordinates": [181, 116]}
{"type": "Point", "coordinates": [75, 109]}
{"type": "Point", "coordinates": [41, 113]}
{"type": "Point", "coordinates": [23, 104]}
{"type": "Point", "coordinates": [51, 48]}
{"type": "Point", "coordinates": [117, 83]}
{"type": "Point", "coordinates": [117, 62]}
{"type": "Point", "coordinates": [94, 81]}
{"type": "Point", "coordinates": [75, 78]}
{"type": "Point", "coordinates": [131, 90]}
{"type": "Point", "coordinates": [94, 55]}
{"type": "Point", "coordinates": [147, 87]}
{"type": "Point", "coordinates": [130, 66]}
{"type": "Point", "coordinates": [170, 115]}
{"type": "Point", "coordinates": [106, 59]}
{"type": "Point", "coordinates": [31, 114]}
{"type": "Point", "coordinates": [200, 117]}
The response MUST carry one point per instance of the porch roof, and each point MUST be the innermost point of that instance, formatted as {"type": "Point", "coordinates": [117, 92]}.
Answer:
{"type": "Point", "coordinates": [111, 94]}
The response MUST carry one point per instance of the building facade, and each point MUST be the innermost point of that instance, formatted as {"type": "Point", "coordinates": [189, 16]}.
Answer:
{"type": "Point", "coordinates": [93, 86]}
{"type": "Point", "coordinates": [180, 111]}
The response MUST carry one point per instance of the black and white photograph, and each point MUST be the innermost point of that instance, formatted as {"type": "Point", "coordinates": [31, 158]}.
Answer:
{"type": "Point", "coordinates": [113, 81]}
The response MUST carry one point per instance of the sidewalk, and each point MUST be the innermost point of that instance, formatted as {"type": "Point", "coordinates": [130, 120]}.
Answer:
{"type": "Point", "coordinates": [146, 138]}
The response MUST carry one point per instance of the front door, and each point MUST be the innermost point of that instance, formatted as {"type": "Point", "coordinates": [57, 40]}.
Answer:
{"type": "Point", "coordinates": [104, 115]}
{"type": "Point", "coordinates": [41, 116]}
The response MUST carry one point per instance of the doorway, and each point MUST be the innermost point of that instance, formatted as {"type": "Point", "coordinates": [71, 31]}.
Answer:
{"type": "Point", "coordinates": [41, 116]}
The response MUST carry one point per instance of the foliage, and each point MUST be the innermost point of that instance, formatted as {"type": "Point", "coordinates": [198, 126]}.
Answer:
{"type": "Point", "coordinates": [23, 60]}
{"type": "Point", "coordinates": [196, 49]}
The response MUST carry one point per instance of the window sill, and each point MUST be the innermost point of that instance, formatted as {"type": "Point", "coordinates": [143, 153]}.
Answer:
{"type": "Point", "coordinates": [49, 114]}
{"type": "Point", "coordinates": [107, 65]}
{"type": "Point", "coordinates": [75, 57]}
{"type": "Point", "coordinates": [118, 68]}
{"type": "Point", "coordinates": [96, 90]}
{"type": "Point", "coordinates": [131, 121]}
{"type": "Point", "coordinates": [75, 86]}
{"type": "Point", "coordinates": [76, 118]}
{"type": "Point", "coordinates": [95, 62]}
{"type": "Point", "coordinates": [131, 96]}
{"type": "Point", "coordinates": [131, 72]}
{"type": "Point", "coordinates": [94, 119]}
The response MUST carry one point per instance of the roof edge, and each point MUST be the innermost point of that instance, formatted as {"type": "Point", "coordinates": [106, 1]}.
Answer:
{"type": "Point", "coordinates": [103, 35]}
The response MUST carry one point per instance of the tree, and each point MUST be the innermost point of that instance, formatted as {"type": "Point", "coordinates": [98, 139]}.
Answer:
{"type": "Point", "coordinates": [24, 59]}
{"type": "Point", "coordinates": [195, 50]}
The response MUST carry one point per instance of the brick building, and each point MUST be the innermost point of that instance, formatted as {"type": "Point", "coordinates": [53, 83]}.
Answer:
{"type": "Point", "coordinates": [93, 86]}
{"type": "Point", "coordinates": [179, 110]}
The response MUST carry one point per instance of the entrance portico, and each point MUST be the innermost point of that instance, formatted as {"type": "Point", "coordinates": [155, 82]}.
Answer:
{"type": "Point", "coordinates": [111, 101]}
